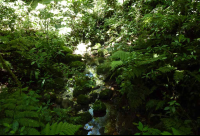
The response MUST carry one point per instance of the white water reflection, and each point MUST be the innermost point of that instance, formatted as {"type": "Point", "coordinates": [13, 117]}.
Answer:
{"type": "Point", "coordinates": [82, 48]}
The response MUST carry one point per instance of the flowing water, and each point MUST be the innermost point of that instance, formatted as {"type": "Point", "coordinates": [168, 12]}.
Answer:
{"type": "Point", "coordinates": [106, 124]}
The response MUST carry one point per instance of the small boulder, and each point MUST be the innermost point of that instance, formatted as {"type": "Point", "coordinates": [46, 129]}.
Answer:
{"type": "Point", "coordinates": [99, 109]}
{"type": "Point", "coordinates": [77, 64]}
{"type": "Point", "coordinates": [66, 103]}
{"type": "Point", "coordinates": [82, 99]}
{"type": "Point", "coordinates": [66, 50]}
{"type": "Point", "coordinates": [84, 118]}
{"type": "Point", "coordinates": [105, 94]}
{"type": "Point", "coordinates": [103, 68]}
{"type": "Point", "coordinates": [101, 59]}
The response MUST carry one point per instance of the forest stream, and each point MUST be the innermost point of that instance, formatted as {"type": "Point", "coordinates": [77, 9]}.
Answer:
{"type": "Point", "coordinates": [98, 125]}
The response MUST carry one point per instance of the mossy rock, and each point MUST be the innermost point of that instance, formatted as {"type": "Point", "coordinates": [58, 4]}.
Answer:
{"type": "Point", "coordinates": [93, 97]}
{"type": "Point", "coordinates": [105, 94]}
{"type": "Point", "coordinates": [82, 99]}
{"type": "Point", "coordinates": [56, 84]}
{"type": "Point", "coordinates": [99, 109]}
{"type": "Point", "coordinates": [96, 46]}
{"type": "Point", "coordinates": [84, 118]}
{"type": "Point", "coordinates": [125, 131]}
{"type": "Point", "coordinates": [77, 64]}
{"type": "Point", "coordinates": [78, 90]}
{"type": "Point", "coordinates": [66, 50]}
{"type": "Point", "coordinates": [103, 68]}
{"type": "Point", "coordinates": [71, 58]}
{"type": "Point", "coordinates": [81, 87]}
{"type": "Point", "coordinates": [66, 103]}
{"type": "Point", "coordinates": [100, 53]}
{"type": "Point", "coordinates": [101, 59]}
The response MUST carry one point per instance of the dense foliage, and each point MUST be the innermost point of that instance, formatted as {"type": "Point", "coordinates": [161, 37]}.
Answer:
{"type": "Point", "coordinates": [149, 48]}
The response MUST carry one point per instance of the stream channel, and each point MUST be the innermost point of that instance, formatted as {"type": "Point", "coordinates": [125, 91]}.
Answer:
{"type": "Point", "coordinates": [98, 125]}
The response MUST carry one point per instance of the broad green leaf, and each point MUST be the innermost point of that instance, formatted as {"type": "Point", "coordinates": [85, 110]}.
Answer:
{"type": "Point", "coordinates": [22, 129]}
{"type": "Point", "coordinates": [166, 133]}
{"type": "Point", "coordinates": [173, 109]}
{"type": "Point", "coordinates": [43, 82]}
{"type": "Point", "coordinates": [12, 132]}
{"type": "Point", "coordinates": [166, 108]}
{"type": "Point", "coordinates": [15, 126]}
{"type": "Point", "coordinates": [134, 123]}
{"type": "Point", "coordinates": [137, 134]}
{"type": "Point", "coordinates": [146, 133]}
{"type": "Point", "coordinates": [33, 63]}
{"type": "Point", "coordinates": [6, 125]}
{"type": "Point", "coordinates": [145, 128]}
{"type": "Point", "coordinates": [175, 131]}
{"type": "Point", "coordinates": [140, 127]}
{"type": "Point", "coordinates": [37, 74]}
{"type": "Point", "coordinates": [177, 104]}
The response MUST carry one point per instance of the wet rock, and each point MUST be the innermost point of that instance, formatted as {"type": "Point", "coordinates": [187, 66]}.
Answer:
{"type": "Point", "coordinates": [84, 118]}
{"type": "Point", "coordinates": [66, 50]}
{"type": "Point", "coordinates": [125, 131]}
{"type": "Point", "coordinates": [82, 99]}
{"type": "Point", "coordinates": [99, 109]}
{"type": "Point", "coordinates": [82, 131]}
{"type": "Point", "coordinates": [56, 84]}
{"type": "Point", "coordinates": [101, 130]}
{"type": "Point", "coordinates": [81, 87]}
{"type": "Point", "coordinates": [96, 46]}
{"type": "Point", "coordinates": [97, 87]}
{"type": "Point", "coordinates": [72, 57]}
{"type": "Point", "coordinates": [77, 91]}
{"type": "Point", "coordinates": [105, 94]}
{"type": "Point", "coordinates": [77, 64]}
{"type": "Point", "coordinates": [101, 59]}
{"type": "Point", "coordinates": [100, 53]}
{"type": "Point", "coordinates": [59, 100]}
{"type": "Point", "coordinates": [79, 107]}
{"type": "Point", "coordinates": [66, 103]}
{"type": "Point", "coordinates": [103, 68]}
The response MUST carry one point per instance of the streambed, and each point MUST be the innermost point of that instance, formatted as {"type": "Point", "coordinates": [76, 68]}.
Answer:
{"type": "Point", "coordinates": [113, 120]}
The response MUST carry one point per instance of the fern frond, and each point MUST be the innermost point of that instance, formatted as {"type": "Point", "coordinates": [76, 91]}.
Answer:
{"type": "Point", "coordinates": [195, 75]}
{"type": "Point", "coordinates": [9, 106]}
{"type": "Point", "coordinates": [178, 75]}
{"type": "Point", "coordinates": [137, 96]}
{"type": "Point", "coordinates": [61, 128]}
{"type": "Point", "coordinates": [28, 114]}
{"type": "Point", "coordinates": [165, 69]}
{"type": "Point", "coordinates": [32, 131]}
{"type": "Point", "coordinates": [151, 104]}
{"type": "Point", "coordinates": [9, 113]}
{"type": "Point", "coordinates": [115, 64]}
{"type": "Point", "coordinates": [177, 124]}
{"type": "Point", "coordinates": [28, 122]}
{"type": "Point", "coordinates": [24, 107]}
{"type": "Point", "coordinates": [160, 104]}
{"type": "Point", "coordinates": [122, 55]}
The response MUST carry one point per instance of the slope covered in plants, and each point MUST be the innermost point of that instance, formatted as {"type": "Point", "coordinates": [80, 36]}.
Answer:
{"type": "Point", "coordinates": [147, 49]}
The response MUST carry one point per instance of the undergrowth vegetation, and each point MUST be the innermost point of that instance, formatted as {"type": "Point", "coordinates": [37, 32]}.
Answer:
{"type": "Point", "coordinates": [149, 48]}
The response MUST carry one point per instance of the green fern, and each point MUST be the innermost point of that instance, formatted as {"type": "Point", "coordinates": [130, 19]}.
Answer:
{"type": "Point", "coordinates": [195, 75]}
{"type": "Point", "coordinates": [178, 75]}
{"type": "Point", "coordinates": [157, 104]}
{"type": "Point", "coordinates": [122, 55]}
{"type": "Point", "coordinates": [17, 108]}
{"type": "Point", "coordinates": [115, 64]}
{"type": "Point", "coordinates": [177, 124]}
{"type": "Point", "coordinates": [137, 96]}
{"type": "Point", "coordinates": [165, 69]}
{"type": "Point", "coordinates": [60, 129]}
